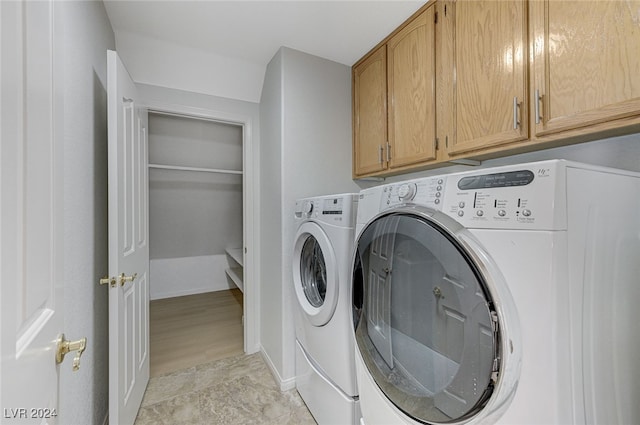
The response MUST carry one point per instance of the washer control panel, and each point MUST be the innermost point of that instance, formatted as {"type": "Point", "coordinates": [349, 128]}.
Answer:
{"type": "Point", "coordinates": [425, 191]}
{"type": "Point", "coordinates": [339, 209]}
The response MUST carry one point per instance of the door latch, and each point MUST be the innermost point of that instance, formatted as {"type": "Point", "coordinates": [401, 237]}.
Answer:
{"type": "Point", "coordinates": [120, 280]}
{"type": "Point", "coordinates": [124, 279]}
{"type": "Point", "coordinates": [108, 280]}
{"type": "Point", "coordinates": [63, 346]}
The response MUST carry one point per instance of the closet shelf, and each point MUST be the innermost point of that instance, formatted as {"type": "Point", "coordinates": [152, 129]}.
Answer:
{"type": "Point", "coordinates": [205, 170]}
{"type": "Point", "coordinates": [236, 255]}
{"type": "Point", "coordinates": [235, 271]}
{"type": "Point", "coordinates": [236, 275]}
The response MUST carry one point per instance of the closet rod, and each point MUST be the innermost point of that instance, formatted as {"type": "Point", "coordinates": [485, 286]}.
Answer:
{"type": "Point", "coordinates": [206, 170]}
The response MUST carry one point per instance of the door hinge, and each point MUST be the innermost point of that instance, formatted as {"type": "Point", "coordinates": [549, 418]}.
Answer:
{"type": "Point", "coordinates": [446, 141]}
{"type": "Point", "coordinates": [445, 10]}
{"type": "Point", "coordinates": [495, 327]}
{"type": "Point", "coordinates": [437, 143]}
{"type": "Point", "coordinates": [435, 18]}
{"type": "Point", "coordinates": [494, 321]}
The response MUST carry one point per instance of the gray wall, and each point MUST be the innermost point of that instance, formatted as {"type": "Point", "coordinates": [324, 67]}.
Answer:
{"type": "Point", "coordinates": [194, 213]}
{"type": "Point", "coordinates": [87, 36]}
{"type": "Point", "coordinates": [271, 301]}
{"type": "Point", "coordinates": [306, 135]}
{"type": "Point", "coordinates": [617, 152]}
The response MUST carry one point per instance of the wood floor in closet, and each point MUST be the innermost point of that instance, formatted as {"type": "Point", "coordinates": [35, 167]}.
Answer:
{"type": "Point", "coordinates": [194, 329]}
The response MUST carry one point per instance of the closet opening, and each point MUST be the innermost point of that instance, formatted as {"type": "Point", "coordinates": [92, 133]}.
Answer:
{"type": "Point", "coordinates": [196, 240]}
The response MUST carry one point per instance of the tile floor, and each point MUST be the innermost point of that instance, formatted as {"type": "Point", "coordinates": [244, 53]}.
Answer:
{"type": "Point", "coordinates": [235, 390]}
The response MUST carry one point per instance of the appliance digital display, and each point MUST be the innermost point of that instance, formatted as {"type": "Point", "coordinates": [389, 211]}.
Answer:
{"type": "Point", "coordinates": [332, 206]}
{"type": "Point", "coordinates": [508, 179]}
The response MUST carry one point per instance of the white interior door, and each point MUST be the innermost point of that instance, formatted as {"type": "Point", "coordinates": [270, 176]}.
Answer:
{"type": "Point", "coordinates": [31, 211]}
{"type": "Point", "coordinates": [128, 246]}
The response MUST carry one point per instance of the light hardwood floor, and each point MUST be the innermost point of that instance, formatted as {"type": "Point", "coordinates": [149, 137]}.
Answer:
{"type": "Point", "coordinates": [194, 329]}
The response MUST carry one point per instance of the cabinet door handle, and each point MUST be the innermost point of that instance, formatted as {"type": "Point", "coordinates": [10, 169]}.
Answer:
{"type": "Point", "coordinates": [380, 154]}
{"type": "Point", "coordinates": [537, 100]}
{"type": "Point", "coordinates": [388, 152]}
{"type": "Point", "coordinates": [516, 123]}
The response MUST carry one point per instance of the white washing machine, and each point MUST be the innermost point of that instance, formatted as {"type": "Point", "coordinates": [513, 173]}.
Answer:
{"type": "Point", "coordinates": [325, 366]}
{"type": "Point", "coordinates": [500, 296]}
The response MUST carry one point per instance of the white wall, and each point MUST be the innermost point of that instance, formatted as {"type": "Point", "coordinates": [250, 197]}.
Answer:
{"type": "Point", "coordinates": [176, 277]}
{"type": "Point", "coordinates": [306, 134]}
{"type": "Point", "coordinates": [165, 64]}
{"type": "Point", "coordinates": [87, 36]}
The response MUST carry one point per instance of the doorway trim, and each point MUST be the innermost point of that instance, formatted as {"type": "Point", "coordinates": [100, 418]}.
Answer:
{"type": "Point", "coordinates": [251, 294]}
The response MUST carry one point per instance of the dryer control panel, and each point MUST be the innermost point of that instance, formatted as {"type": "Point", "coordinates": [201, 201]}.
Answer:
{"type": "Point", "coordinates": [511, 197]}
{"type": "Point", "coordinates": [427, 191]}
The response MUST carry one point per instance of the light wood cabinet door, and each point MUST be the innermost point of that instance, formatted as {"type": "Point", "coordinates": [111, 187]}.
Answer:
{"type": "Point", "coordinates": [487, 104]}
{"type": "Point", "coordinates": [586, 63]}
{"type": "Point", "coordinates": [370, 113]}
{"type": "Point", "coordinates": [411, 79]}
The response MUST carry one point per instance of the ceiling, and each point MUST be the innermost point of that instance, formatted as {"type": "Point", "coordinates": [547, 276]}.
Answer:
{"type": "Point", "coordinates": [251, 32]}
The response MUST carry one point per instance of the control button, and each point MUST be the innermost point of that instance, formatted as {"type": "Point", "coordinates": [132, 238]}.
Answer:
{"type": "Point", "coordinates": [439, 188]}
{"type": "Point", "coordinates": [437, 201]}
{"type": "Point", "coordinates": [440, 181]}
{"type": "Point", "coordinates": [438, 194]}
{"type": "Point", "coordinates": [502, 213]}
{"type": "Point", "coordinates": [460, 213]}
{"type": "Point", "coordinates": [461, 204]}
{"type": "Point", "coordinates": [526, 213]}
{"type": "Point", "coordinates": [479, 213]}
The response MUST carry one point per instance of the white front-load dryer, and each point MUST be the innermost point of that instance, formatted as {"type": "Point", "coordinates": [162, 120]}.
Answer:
{"type": "Point", "coordinates": [325, 365]}
{"type": "Point", "coordinates": [499, 296]}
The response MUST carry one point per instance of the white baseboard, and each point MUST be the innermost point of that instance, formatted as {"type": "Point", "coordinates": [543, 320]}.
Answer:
{"type": "Point", "coordinates": [285, 384]}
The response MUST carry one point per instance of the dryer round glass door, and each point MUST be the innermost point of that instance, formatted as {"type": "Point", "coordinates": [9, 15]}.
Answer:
{"type": "Point", "coordinates": [425, 325]}
{"type": "Point", "coordinates": [315, 274]}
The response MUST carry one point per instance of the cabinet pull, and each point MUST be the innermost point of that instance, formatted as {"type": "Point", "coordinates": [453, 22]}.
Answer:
{"type": "Point", "coordinates": [380, 154]}
{"type": "Point", "coordinates": [537, 100]}
{"type": "Point", "coordinates": [388, 152]}
{"type": "Point", "coordinates": [516, 105]}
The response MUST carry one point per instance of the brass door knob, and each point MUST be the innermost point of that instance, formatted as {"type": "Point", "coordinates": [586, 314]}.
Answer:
{"type": "Point", "coordinates": [65, 346]}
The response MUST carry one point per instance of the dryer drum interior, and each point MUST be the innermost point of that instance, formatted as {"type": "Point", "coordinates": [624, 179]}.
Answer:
{"type": "Point", "coordinates": [425, 323]}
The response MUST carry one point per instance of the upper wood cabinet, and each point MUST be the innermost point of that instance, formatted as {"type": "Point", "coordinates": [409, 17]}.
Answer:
{"type": "Point", "coordinates": [394, 100]}
{"type": "Point", "coordinates": [484, 62]}
{"type": "Point", "coordinates": [411, 74]}
{"type": "Point", "coordinates": [370, 113]}
{"type": "Point", "coordinates": [585, 64]}
{"type": "Point", "coordinates": [500, 77]}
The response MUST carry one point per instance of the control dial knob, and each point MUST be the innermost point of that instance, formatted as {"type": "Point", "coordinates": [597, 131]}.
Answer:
{"type": "Point", "coordinates": [307, 207]}
{"type": "Point", "coordinates": [407, 191]}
